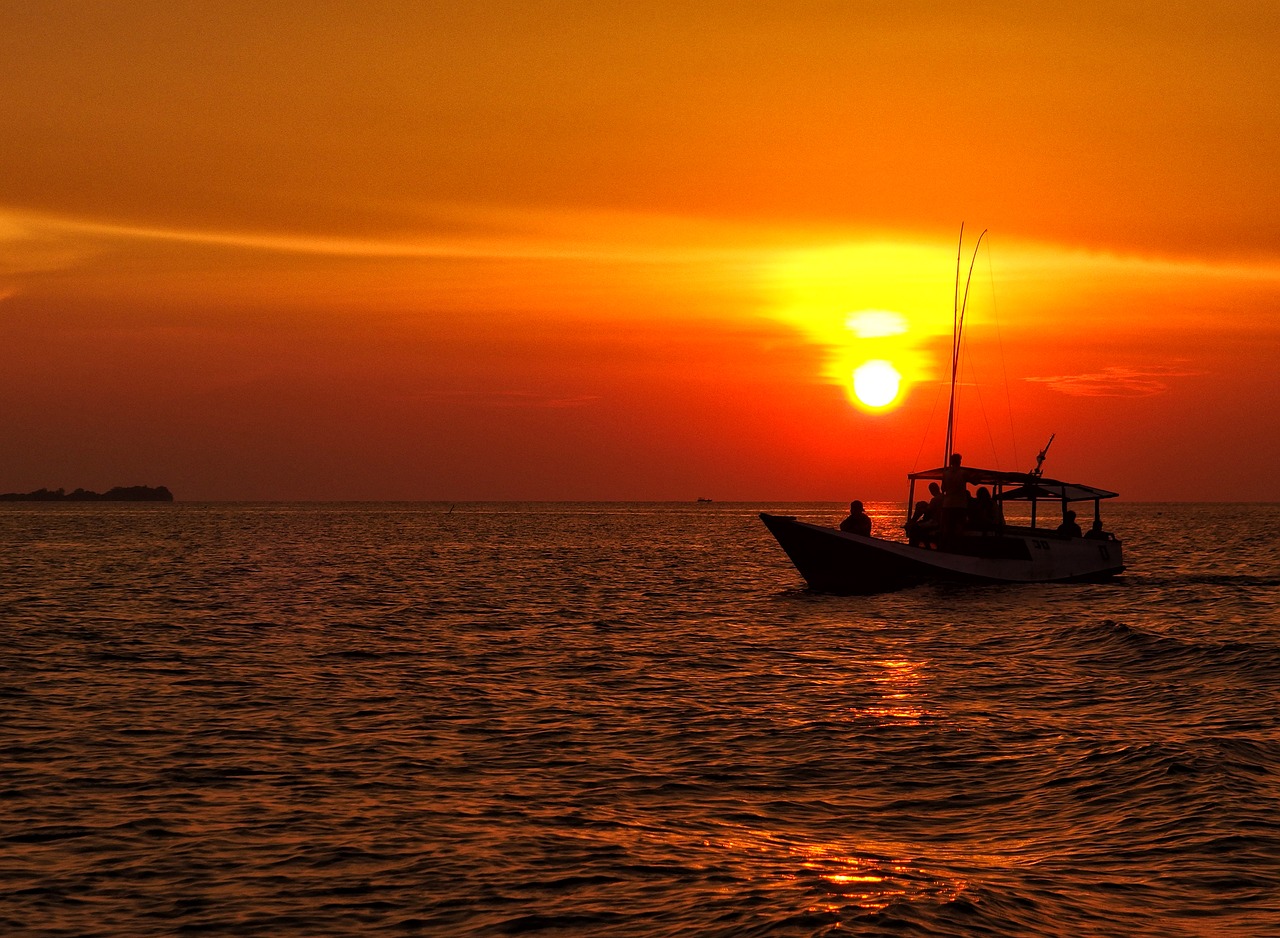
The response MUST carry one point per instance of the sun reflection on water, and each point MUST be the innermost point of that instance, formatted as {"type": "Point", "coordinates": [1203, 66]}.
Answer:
{"type": "Point", "coordinates": [901, 701]}
{"type": "Point", "coordinates": [847, 880]}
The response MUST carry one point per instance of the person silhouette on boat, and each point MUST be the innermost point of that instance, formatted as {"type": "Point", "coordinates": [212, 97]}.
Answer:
{"type": "Point", "coordinates": [935, 504]}
{"type": "Point", "coordinates": [955, 497]}
{"type": "Point", "coordinates": [1097, 533]}
{"type": "Point", "coordinates": [985, 514]}
{"type": "Point", "coordinates": [922, 530]}
{"type": "Point", "coordinates": [858, 521]}
{"type": "Point", "coordinates": [1069, 528]}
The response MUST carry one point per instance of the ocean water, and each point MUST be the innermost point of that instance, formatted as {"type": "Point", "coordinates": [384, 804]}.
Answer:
{"type": "Point", "coordinates": [609, 720]}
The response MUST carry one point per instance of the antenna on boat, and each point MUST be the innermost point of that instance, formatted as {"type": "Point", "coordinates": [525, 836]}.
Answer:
{"type": "Point", "coordinates": [1040, 457]}
{"type": "Point", "coordinates": [957, 329]}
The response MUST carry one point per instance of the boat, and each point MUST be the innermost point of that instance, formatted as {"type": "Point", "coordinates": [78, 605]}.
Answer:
{"type": "Point", "coordinates": [835, 561]}
{"type": "Point", "coordinates": [975, 550]}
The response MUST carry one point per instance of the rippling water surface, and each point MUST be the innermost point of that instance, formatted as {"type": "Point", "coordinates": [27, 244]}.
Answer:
{"type": "Point", "coordinates": [496, 719]}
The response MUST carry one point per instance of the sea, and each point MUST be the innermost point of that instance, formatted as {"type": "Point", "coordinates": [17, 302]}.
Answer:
{"type": "Point", "coordinates": [624, 720]}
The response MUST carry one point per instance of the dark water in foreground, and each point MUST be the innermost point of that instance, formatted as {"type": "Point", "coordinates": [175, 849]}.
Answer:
{"type": "Point", "coordinates": [623, 720]}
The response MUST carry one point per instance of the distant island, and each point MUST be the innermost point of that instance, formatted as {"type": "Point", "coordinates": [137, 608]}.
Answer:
{"type": "Point", "coordinates": [126, 493]}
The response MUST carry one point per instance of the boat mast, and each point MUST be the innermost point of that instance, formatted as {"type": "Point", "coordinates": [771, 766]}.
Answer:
{"type": "Point", "coordinates": [959, 304]}
{"type": "Point", "coordinates": [955, 344]}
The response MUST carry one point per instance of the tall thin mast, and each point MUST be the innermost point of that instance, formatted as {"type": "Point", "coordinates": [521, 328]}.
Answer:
{"type": "Point", "coordinates": [957, 330]}
{"type": "Point", "coordinates": [955, 344]}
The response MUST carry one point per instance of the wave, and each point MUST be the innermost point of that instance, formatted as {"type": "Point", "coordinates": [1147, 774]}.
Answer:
{"type": "Point", "coordinates": [1182, 580]}
{"type": "Point", "coordinates": [1100, 641]}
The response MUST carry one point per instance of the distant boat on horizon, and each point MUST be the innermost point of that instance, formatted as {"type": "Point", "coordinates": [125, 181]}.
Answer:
{"type": "Point", "coordinates": [955, 542]}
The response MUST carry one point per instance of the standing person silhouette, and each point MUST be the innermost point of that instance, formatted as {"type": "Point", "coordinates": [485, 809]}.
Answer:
{"type": "Point", "coordinates": [955, 498]}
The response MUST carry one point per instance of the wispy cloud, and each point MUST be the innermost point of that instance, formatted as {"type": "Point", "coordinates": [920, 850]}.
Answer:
{"type": "Point", "coordinates": [457, 233]}
{"type": "Point", "coordinates": [28, 244]}
{"type": "Point", "coordinates": [1117, 381]}
{"type": "Point", "coordinates": [35, 230]}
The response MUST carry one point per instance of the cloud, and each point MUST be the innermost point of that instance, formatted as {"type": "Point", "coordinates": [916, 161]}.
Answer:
{"type": "Point", "coordinates": [458, 232]}
{"type": "Point", "coordinates": [1116, 382]}
{"type": "Point", "coordinates": [32, 246]}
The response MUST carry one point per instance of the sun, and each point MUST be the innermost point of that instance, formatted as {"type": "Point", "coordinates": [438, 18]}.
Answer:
{"type": "Point", "coordinates": [876, 383]}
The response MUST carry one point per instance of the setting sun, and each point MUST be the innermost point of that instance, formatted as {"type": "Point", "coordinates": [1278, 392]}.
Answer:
{"type": "Point", "coordinates": [867, 304]}
{"type": "Point", "coordinates": [876, 384]}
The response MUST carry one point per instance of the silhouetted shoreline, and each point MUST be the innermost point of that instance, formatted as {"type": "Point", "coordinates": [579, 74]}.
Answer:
{"type": "Point", "coordinates": [129, 493]}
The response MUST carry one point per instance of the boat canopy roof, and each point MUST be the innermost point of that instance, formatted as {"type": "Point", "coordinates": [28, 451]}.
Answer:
{"type": "Point", "coordinates": [1026, 487]}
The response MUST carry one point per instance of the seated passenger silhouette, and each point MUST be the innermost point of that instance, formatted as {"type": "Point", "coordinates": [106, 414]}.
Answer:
{"type": "Point", "coordinates": [858, 521]}
{"type": "Point", "coordinates": [985, 514]}
{"type": "Point", "coordinates": [922, 526]}
{"type": "Point", "coordinates": [1097, 533]}
{"type": "Point", "coordinates": [1069, 528]}
{"type": "Point", "coordinates": [935, 504]}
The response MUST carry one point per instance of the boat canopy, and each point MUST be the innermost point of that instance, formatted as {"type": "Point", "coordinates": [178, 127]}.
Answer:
{"type": "Point", "coordinates": [1026, 486]}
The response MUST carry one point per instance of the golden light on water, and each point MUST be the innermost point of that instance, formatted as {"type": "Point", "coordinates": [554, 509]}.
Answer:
{"type": "Point", "coordinates": [902, 701]}
{"type": "Point", "coordinates": [844, 878]}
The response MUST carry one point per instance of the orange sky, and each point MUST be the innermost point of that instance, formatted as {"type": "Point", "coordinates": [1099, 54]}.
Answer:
{"type": "Point", "coordinates": [300, 250]}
